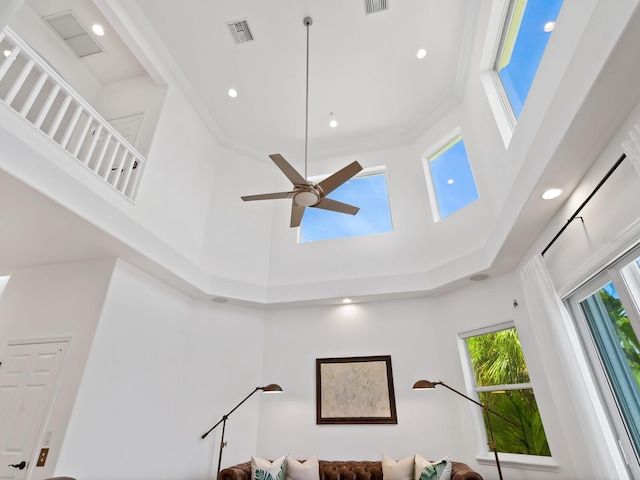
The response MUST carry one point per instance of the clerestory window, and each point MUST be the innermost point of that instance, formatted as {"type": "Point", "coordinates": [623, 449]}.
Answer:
{"type": "Point", "coordinates": [526, 33]}
{"type": "Point", "coordinates": [450, 178]}
{"type": "Point", "coordinates": [367, 191]}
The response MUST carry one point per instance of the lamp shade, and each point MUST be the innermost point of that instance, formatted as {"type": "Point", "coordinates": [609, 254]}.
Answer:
{"type": "Point", "coordinates": [422, 384]}
{"type": "Point", "coordinates": [272, 387]}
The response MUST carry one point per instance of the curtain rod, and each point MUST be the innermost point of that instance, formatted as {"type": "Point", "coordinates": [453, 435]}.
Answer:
{"type": "Point", "coordinates": [575, 214]}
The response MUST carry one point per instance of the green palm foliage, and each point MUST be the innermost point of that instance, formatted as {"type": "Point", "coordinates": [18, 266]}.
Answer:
{"type": "Point", "coordinates": [497, 360]}
{"type": "Point", "coordinates": [624, 331]}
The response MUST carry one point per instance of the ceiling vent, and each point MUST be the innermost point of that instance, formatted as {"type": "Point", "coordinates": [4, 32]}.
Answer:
{"type": "Point", "coordinates": [373, 6]}
{"type": "Point", "coordinates": [240, 31]}
{"type": "Point", "coordinates": [71, 31]}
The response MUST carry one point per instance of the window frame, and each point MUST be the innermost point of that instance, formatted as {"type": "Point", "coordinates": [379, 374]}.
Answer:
{"type": "Point", "coordinates": [484, 455]}
{"type": "Point", "coordinates": [498, 27]}
{"type": "Point", "coordinates": [447, 141]}
{"type": "Point", "coordinates": [613, 273]}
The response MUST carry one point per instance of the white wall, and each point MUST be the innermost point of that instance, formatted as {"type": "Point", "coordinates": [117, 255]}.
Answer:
{"type": "Point", "coordinates": [53, 302]}
{"type": "Point", "coordinates": [421, 337]}
{"type": "Point", "coordinates": [162, 370]}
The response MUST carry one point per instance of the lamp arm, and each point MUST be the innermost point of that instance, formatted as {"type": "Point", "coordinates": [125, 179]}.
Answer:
{"type": "Point", "coordinates": [224, 417]}
{"type": "Point", "coordinates": [484, 407]}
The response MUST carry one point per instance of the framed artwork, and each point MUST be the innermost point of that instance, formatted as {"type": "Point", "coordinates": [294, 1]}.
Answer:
{"type": "Point", "coordinates": [355, 390]}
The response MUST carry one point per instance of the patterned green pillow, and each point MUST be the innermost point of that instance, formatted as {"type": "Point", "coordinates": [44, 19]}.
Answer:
{"type": "Point", "coordinates": [426, 470]}
{"type": "Point", "coordinates": [262, 469]}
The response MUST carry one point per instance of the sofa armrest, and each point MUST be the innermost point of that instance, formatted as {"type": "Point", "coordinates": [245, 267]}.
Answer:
{"type": "Point", "coordinates": [461, 471]}
{"type": "Point", "coordinates": [241, 471]}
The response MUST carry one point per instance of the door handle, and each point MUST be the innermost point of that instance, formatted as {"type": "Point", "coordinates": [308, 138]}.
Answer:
{"type": "Point", "coordinates": [19, 466]}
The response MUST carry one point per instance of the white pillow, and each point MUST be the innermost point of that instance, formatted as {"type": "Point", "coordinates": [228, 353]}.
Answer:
{"type": "Point", "coordinates": [262, 469]}
{"type": "Point", "coordinates": [309, 470]}
{"type": "Point", "coordinates": [426, 470]}
{"type": "Point", "coordinates": [400, 470]}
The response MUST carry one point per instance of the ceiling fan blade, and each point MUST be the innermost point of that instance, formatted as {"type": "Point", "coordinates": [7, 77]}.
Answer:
{"type": "Point", "coordinates": [266, 196]}
{"type": "Point", "coordinates": [296, 215]}
{"type": "Point", "coordinates": [335, 206]}
{"type": "Point", "coordinates": [291, 173]}
{"type": "Point", "coordinates": [332, 182]}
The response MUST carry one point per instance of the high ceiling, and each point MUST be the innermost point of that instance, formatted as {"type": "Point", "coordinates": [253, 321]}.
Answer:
{"type": "Point", "coordinates": [361, 67]}
{"type": "Point", "coordinates": [363, 70]}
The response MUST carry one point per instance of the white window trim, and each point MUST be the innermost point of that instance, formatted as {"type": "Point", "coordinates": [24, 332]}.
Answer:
{"type": "Point", "coordinates": [496, 95]}
{"type": "Point", "coordinates": [484, 456]}
{"type": "Point", "coordinates": [426, 168]}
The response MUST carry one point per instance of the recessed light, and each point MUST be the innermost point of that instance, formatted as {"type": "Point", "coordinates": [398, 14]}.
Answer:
{"type": "Point", "coordinates": [97, 29]}
{"type": "Point", "coordinates": [421, 53]}
{"type": "Point", "coordinates": [346, 300]}
{"type": "Point", "coordinates": [7, 53]}
{"type": "Point", "coordinates": [549, 26]}
{"type": "Point", "coordinates": [232, 93]}
{"type": "Point", "coordinates": [451, 181]}
{"type": "Point", "coordinates": [551, 193]}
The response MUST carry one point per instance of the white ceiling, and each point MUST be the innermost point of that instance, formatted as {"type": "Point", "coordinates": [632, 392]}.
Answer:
{"type": "Point", "coordinates": [361, 67]}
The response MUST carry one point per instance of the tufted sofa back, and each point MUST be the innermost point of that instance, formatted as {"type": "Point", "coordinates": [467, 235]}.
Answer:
{"type": "Point", "coordinates": [348, 470]}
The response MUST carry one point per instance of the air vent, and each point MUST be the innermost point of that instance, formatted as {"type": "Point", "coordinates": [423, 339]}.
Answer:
{"type": "Point", "coordinates": [372, 6]}
{"type": "Point", "coordinates": [71, 31]}
{"type": "Point", "coordinates": [240, 31]}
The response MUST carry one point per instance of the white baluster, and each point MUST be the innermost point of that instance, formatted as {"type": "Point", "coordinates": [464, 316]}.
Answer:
{"type": "Point", "coordinates": [96, 168]}
{"type": "Point", "coordinates": [72, 126]}
{"type": "Point", "coordinates": [59, 116]}
{"type": "Point", "coordinates": [8, 62]}
{"type": "Point", "coordinates": [120, 168]}
{"type": "Point", "coordinates": [47, 106]}
{"type": "Point", "coordinates": [85, 130]}
{"type": "Point", "coordinates": [19, 82]}
{"type": "Point", "coordinates": [35, 91]}
{"type": "Point", "coordinates": [111, 160]}
{"type": "Point", "coordinates": [96, 135]}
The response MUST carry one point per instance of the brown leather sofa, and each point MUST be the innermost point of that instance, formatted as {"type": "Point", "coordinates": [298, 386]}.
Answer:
{"type": "Point", "coordinates": [348, 470]}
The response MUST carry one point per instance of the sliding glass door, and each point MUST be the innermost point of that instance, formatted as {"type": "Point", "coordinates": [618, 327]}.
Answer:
{"type": "Point", "coordinates": [607, 317]}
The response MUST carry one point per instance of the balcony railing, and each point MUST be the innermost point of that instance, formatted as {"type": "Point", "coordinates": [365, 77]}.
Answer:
{"type": "Point", "coordinates": [42, 97]}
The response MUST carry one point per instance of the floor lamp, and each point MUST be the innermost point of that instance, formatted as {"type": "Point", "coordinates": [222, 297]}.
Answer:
{"type": "Point", "coordinates": [272, 387]}
{"type": "Point", "coordinates": [423, 384]}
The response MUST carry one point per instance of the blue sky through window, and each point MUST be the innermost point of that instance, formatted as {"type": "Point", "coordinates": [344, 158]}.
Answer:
{"type": "Point", "coordinates": [518, 70]}
{"type": "Point", "coordinates": [367, 192]}
{"type": "Point", "coordinates": [452, 178]}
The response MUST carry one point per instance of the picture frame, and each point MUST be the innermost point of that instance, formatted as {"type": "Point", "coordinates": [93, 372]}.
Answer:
{"type": "Point", "coordinates": [355, 390]}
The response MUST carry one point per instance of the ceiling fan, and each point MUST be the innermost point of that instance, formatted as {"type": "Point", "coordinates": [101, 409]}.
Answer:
{"type": "Point", "coordinates": [306, 193]}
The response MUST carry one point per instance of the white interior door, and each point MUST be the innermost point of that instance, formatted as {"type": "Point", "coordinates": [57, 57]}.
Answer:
{"type": "Point", "coordinates": [29, 374]}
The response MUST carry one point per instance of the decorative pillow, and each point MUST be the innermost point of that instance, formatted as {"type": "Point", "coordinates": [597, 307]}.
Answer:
{"type": "Point", "coordinates": [309, 470]}
{"type": "Point", "coordinates": [262, 469]}
{"type": "Point", "coordinates": [426, 470]}
{"type": "Point", "coordinates": [400, 470]}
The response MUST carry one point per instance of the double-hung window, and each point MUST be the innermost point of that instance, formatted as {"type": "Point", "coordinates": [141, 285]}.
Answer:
{"type": "Point", "coordinates": [607, 315]}
{"type": "Point", "coordinates": [500, 378]}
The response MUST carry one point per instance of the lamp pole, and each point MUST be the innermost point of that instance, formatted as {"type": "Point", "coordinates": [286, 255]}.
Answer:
{"type": "Point", "coordinates": [272, 387]}
{"type": "Point", "coordinates": [423, 384]}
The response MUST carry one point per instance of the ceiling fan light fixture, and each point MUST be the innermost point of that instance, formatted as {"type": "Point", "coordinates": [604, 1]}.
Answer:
{"type": "Point", "coordinates": [306, 199]}
{"type": "Point", "coordinates": [306, 193]}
